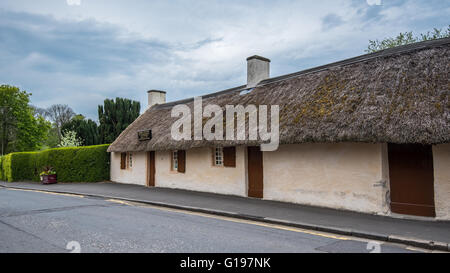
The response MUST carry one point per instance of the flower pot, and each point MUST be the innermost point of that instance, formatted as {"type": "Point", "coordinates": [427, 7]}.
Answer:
{"type": "Point", "coordinates": [49, 179]}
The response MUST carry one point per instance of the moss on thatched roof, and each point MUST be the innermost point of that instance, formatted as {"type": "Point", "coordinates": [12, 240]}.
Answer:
{"type": "Point", "coordinates": [398, 95]}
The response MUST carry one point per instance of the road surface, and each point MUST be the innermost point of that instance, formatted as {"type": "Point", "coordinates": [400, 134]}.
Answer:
{"type": "Point", "coordinates": [33, 221]}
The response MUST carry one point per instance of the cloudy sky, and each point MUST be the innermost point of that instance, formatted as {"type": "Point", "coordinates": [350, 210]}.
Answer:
{"type": "Point", "coordinates": [79, 52]}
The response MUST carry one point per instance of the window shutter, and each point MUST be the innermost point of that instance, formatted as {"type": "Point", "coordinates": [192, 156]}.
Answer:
{"type": "Point", "coordinates": [181, 161]}
{"type": "Point", "coordinates": [229, 157]}
{"type": "Point", "coordinates": [123, 161]}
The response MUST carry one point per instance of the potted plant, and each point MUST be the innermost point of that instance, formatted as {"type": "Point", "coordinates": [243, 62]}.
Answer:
{"type": "Point", "coordinates": [48, 176]}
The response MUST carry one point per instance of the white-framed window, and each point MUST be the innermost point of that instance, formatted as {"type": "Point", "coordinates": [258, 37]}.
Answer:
{"type": "Point", "coordinates": [130, 160]}
{"type": "Point", "coordinates": [218, 156]}
{"type": "Point", "coordinates": [175, 160]}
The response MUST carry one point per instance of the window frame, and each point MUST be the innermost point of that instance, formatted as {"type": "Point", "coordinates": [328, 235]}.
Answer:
{"type": "Point", "coordinates": [174, 161]}
{"type": "Point", "coordinates": [129, 160]}
{"type": "Point", "coordinates": [217, 156]}
{"type": "Point", "coordinates": [227, 158]}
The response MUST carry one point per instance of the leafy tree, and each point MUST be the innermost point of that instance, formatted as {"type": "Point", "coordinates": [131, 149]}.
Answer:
{"type": "Point", "coordinates": [406, 38]}
{"type": "Point", "coordinates": [115, 116]}
{"type": "Point", "coordinates": [69, 139]}
{"type": "Point", "coordinates": [21, 128]}
{"type": "Point", "coordinates": [32, 132]}
{"type": "Point", "coordinates": [86, 130]}
{"type": "Point", "coordinates": [52, 139]}
{"type": "Point", "coordinates": [59, 114]}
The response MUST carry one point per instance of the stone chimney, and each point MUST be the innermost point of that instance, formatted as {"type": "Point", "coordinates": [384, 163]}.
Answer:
{"type": "Point", "coordinates": [258, 69]}
{"type": "Point", "coordinates": [156, 97]}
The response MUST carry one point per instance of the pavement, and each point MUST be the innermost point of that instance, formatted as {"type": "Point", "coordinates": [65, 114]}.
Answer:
{"type": "Point", "coordinates": [42, 222]}
{"type": "Point", "coordinates": [434, 235]}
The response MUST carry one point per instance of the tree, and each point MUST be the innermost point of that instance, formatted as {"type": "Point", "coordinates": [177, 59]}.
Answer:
{"type": "Point", "coordinates": [69, 139]}
{"type": "Point", "coordinates": [32, 132]}
{"type": "Point", "coordinates": [52, 139]}
{"type": "Point", "coordinates": [21, 128]}
{"type": "Point", "coordinates": [405, 39]}
{"type": "Point", "coordinates": [86, 130]}
{"type": "Point", "coordinates": [115, 116]}
{"type": "Point", "coordinates": [59, 114]}
{"type": "Point", "coordinates": [39, 111]}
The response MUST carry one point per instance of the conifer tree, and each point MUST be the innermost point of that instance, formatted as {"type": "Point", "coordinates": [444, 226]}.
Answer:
{"type": "Point", "coordinates": [115, 116]}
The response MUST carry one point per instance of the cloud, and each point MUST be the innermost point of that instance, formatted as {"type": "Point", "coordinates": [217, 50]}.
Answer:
{"type": "Point", "coordinates": [331, 21]}
{"type": "Point", "coordinates": [78, 63]}
{"type": "Point", "coordinates": [85, 48]}
{"type": "Point", "coordinates": [103, 49]}
{"type": "Point", "coordinates": [374, 2]}
{"type": "Point", "coordinates": [73, 2]}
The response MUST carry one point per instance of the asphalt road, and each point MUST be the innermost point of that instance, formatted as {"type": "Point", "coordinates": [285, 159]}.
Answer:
{"type": "Point", "coordinates": [32, 221]}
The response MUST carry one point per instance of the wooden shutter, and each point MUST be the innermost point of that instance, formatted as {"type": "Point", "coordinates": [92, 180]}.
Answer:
{"type": "Point", "coordinates": [123, 161]}
{"type": "Point", "coordinates": [181, 161]}
{"type": "Point", "coordinates": [229, 157]}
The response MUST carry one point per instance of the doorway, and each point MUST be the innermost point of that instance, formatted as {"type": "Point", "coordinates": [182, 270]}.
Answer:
{"type": "Point", "coordinates": [255, 172]}
{"type": "Point", "coordinates": [411, 179]}
{"type": "Point", "coordinates": [151, 169]}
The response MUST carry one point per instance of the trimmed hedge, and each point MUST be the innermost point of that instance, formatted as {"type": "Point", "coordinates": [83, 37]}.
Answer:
{"type": "Point", "coordinates": [73, 164]}
{"type": "Point", "coordinates": [5, 167]}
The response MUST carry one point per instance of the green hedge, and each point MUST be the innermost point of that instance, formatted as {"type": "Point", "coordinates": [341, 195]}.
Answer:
{"type": "Point", "coordinates": [5, 167]}
{"type": "Point", "coordinates": [74, 164]}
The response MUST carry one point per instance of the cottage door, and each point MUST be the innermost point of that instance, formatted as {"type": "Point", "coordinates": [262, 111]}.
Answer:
{"type": "Point", "coordinates": [255, 172]}
{"type": "Point", "coordinates": [151, 169]}
{"type": "Point", "coordinates": [411, 179]}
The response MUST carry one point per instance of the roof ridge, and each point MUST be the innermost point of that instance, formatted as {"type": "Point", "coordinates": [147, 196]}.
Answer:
{"type": "Point", "coordinates": [366, 57]}
{"type": "Point", "coordinates": [229, 90]}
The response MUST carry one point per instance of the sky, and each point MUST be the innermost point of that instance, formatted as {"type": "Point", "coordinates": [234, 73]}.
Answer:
{"type": "Point", "coordinates": [81, 52]}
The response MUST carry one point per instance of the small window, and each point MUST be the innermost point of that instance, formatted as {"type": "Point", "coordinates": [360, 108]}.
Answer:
{"type": "Point", "coordinates": [246, 91]}
{"type": "Point", "coordinates": [130, 160]}
{"type": "Point", "coordinates": [175, 160]}
{"type": "Point", "coordinates": [218, 156]}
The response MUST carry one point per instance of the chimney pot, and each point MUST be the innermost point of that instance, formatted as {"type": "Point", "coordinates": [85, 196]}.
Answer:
{"type": "Point", "coordinates": [258, 69]}
{"type": "Point", "coordinates": [156, 97]}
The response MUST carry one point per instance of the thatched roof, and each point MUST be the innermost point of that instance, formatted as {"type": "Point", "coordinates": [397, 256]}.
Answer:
{"type": "Point", "coordinates": [398, 95]}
